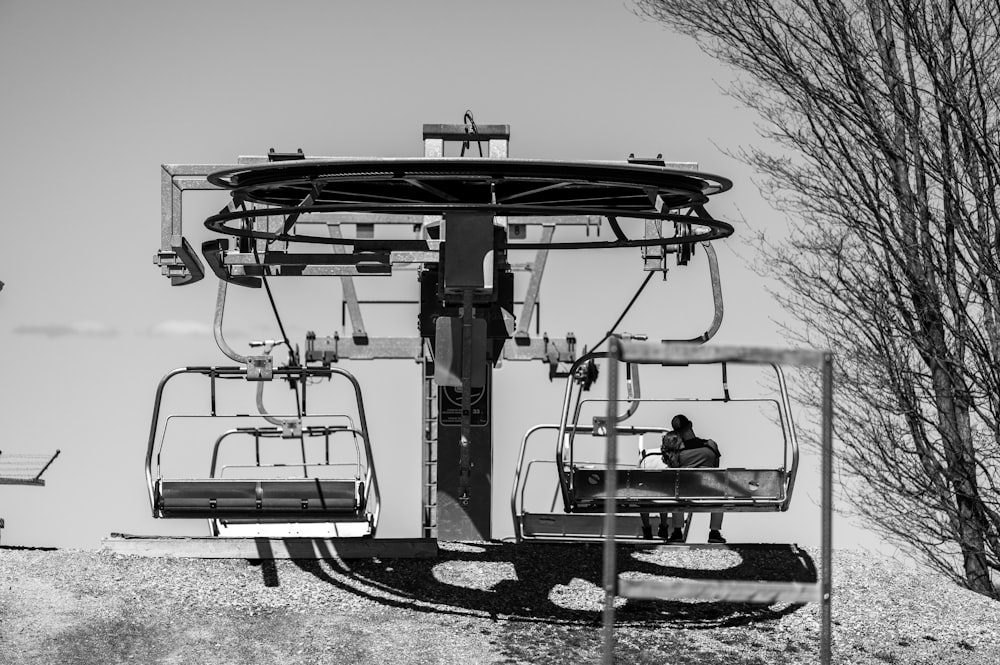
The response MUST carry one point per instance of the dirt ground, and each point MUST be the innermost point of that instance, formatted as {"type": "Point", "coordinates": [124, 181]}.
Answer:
{"type": "Point", "coordinates": [474, 603]}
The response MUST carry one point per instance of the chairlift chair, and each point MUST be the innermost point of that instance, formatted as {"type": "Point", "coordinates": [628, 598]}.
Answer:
{"type": "Point", "coordinates": [303, 498]}
{"type": "Point", "coordinates": [643, 490]}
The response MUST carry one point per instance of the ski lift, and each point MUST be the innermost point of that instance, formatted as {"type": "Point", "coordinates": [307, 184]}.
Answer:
{"type": "Point", "coordinates": [581, 484]}
{"type": "Point", "coordinates": [485, 205]}
{"type": "Point", "coordinates": [310, 498]}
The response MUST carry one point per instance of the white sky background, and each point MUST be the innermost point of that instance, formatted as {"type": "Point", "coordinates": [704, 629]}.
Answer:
{"type": "Point", "coordinates": [95, 96]}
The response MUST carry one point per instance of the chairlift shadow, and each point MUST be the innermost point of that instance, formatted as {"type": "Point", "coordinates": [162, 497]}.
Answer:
{"type": "Point", "coordinates": [527, 577]}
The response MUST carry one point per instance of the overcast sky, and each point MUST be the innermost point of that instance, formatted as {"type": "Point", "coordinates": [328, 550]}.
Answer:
{"type": "Point", "coordinates": [97, 95]}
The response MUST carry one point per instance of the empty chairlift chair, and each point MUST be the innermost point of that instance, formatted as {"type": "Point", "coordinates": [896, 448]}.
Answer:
{"type": "Point", "coordinates": [327, 497]}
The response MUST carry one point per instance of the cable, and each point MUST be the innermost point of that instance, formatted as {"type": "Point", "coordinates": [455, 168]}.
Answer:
{"type": "Point", "coordinates": [468, 120]}
{"type": "Point", "coordinates": [627, 308]}
{"type": "Point", "coordinates": [294, 360]}
{"type": "Point", "coordinates": [274, 307]}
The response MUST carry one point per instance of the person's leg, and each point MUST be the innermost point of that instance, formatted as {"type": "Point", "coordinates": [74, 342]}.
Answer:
{"type": "Point", "coordinates": [664, 529]}
{"type": "Point", "coordinates": [675, 528]}
{"type": "Point", "coordinates": [647, 528]}
{"type": "Point", "coordinates": [715, 529]}
{"type": "Point", "coordinates": [715, 521]}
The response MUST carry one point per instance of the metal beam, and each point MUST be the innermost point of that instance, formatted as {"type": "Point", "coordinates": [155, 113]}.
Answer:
{"type": "Point", "coordinates": [733, 591]}
{"type": "Point", "coordinates": [271, 548]}
{"type": "Point", "coordinates": [683, 353]}
{"type": "Point", "coordinates": [535, 284]}
{"type": "Point", "coordinates": [333, 349]}
{"type": "Point", "coordinates": [460, 132]}
{"type": "Point", "coordinates": [535, 349]}
{"type": "Point", "coordinates": [350, 293]}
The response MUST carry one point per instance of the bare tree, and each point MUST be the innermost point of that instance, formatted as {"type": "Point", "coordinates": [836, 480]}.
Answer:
{"type": "Point", "coordinates": [885, 115]}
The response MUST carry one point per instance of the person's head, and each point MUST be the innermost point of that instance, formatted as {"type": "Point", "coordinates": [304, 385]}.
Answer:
{"type": "Point", "coordinates": [681, 424]}
{"type": "Point", "coordinates": [671, 440]}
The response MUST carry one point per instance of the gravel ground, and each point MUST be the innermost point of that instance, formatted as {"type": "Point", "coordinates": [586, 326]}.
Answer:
{"type": "Point", "coordinates": [475, 603]}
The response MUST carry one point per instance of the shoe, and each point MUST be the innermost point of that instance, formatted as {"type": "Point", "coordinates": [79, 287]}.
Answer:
{"type": "Point", "coordinates": [647, 532]}
{"type": "Point", "coordinates": [676, 537]}
{"type": "Point", "coordinates": [663, 532]}
{"type": "Point", "coordinates": [715, 537]}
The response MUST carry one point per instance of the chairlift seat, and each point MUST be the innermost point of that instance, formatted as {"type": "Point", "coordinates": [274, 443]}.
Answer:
{"type": "Point", "coordinates": [694, 489]}
{"type": "Point", "coordinates": [288, 499]}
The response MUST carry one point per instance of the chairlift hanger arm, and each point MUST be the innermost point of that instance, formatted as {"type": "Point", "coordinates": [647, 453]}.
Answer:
{"type": "Point", "coordinates": [717, 302]}
{"type": "Point", "coordinates": [565, 427]}
{"type": "Point", "coordinates": [291, 427]}
{"type": "Point", "coordinates": [220, 340]}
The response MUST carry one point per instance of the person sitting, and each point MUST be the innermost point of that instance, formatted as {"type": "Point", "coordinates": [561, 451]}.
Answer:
{"type": "Point", "coordinates": [670, 449]}
{"type": "Point", "coordinates": [696, 452]}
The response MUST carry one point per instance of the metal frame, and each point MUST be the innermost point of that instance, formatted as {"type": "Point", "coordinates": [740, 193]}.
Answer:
{"type": "Point", "coordinates": [276, 200]}
{"type": "Point", "coordinates": [567, 431]}
{"type": "Point", "coordinates": [769, 592]}
{"type": "Point", "coordinates": [434, 186]}
{"type": "Point", "coordinates": [178, 262]}
{"type": "Point", "coordinates": [181, 264]}
{"type": "Point", "coordinates": [35, 479]}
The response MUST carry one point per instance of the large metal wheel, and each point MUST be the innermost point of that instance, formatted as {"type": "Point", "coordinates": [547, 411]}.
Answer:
{"type": "Point", "coordinates": [503, 187]}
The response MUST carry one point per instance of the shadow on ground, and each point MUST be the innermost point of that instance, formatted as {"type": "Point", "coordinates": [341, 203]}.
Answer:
{"type": "Point", "coordinates": [557, 583]}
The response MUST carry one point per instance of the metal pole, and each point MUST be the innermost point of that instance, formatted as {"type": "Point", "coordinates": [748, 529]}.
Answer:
{"type": "Point", "coordinates": [47, 465]}
{"type": "Point", "coordinates": [465, 440]}
{"type": "Point", "coordinates": [610, 573]}
{"type": "Point", "coordinates": [827, 524]}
